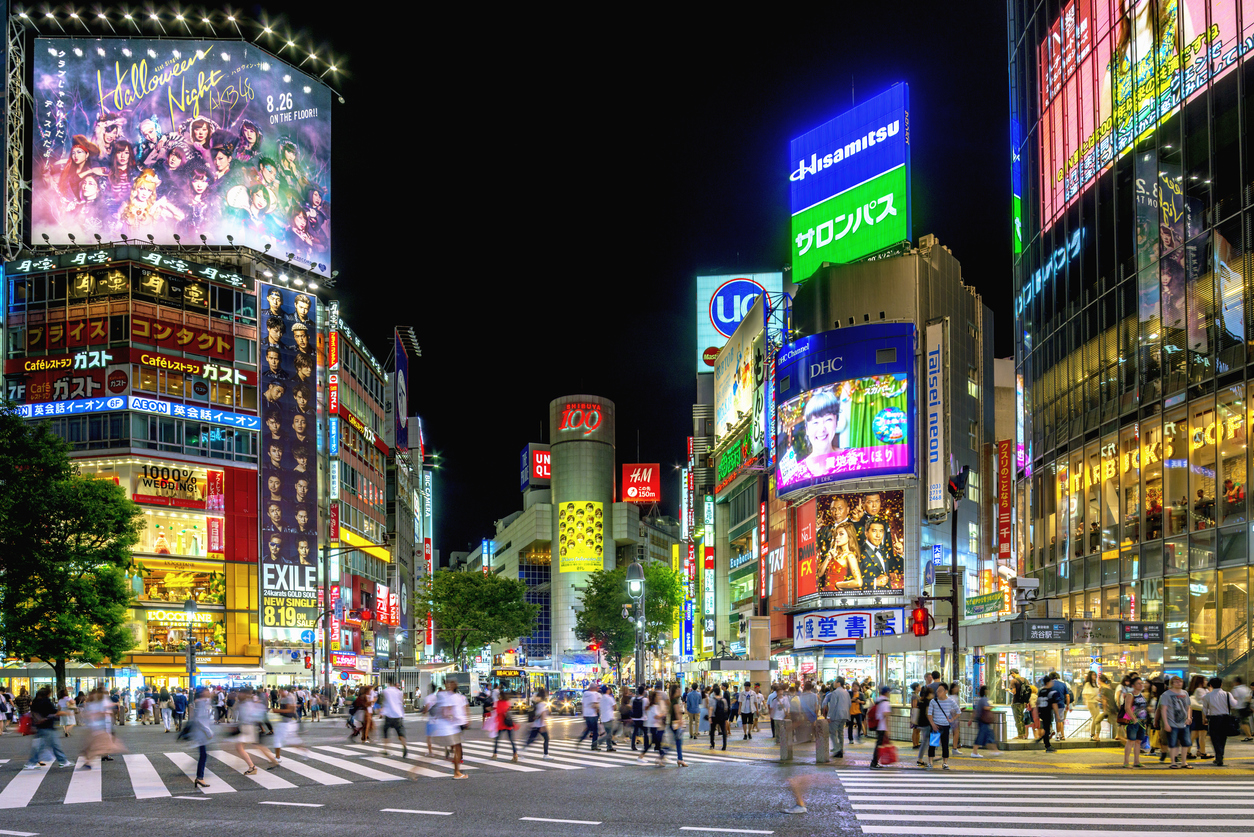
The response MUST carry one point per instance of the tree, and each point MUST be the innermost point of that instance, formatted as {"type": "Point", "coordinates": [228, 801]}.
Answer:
{"type": "Point", "coordinates": [68, 595]}
{"type": "Point", "coordinates": [601, 619]}
{"type": "Point", "coordinates": [31, 459]}
{"type": "Point", "coordinates": [471, 609]}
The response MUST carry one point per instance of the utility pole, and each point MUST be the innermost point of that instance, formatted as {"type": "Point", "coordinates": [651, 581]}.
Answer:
{"type": "Point", "coordinates": [957, 489]}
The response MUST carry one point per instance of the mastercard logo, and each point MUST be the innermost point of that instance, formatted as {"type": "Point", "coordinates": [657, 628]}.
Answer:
{"type": "Point", "coordinates": [710, 355]}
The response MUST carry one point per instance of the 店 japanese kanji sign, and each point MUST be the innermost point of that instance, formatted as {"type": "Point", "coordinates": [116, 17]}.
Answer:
{"type": "Point", "coordinates": [826, 627]}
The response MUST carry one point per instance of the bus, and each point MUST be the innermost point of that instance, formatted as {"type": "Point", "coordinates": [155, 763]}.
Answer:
{"type": "Point", "coordinates": [523, 681]}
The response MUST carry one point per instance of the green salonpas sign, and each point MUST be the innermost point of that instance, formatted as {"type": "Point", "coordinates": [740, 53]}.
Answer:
{"type": "Point", "coordinates": [861, 220]}
{"type": "Point", "coordinates": [985, 605]}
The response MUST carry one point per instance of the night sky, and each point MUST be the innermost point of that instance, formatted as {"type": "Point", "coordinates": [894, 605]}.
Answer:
{"type": "Point", "coordinates": [536, 197]}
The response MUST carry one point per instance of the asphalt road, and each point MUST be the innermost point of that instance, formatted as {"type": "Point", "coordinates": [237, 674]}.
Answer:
{"type": "Point", "coordinates": [579, 793]}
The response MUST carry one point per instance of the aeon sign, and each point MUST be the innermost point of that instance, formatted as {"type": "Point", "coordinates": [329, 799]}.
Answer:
{"type": "Point", "coordinates": [585, 418]}
{"type": "Point", "coordinates": [731, 303]}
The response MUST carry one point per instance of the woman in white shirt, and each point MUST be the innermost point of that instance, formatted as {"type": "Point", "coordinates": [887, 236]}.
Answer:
{"type": "Point", "coordinates": [942, 712]}
{"type": "Point", "coordinates": [1219, 707]}
{"type": "Point", "coordinates": [540, 724]}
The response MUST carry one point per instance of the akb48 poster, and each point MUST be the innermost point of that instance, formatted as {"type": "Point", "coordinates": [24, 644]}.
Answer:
{"type": "Point", "coordinates": [211, 139]}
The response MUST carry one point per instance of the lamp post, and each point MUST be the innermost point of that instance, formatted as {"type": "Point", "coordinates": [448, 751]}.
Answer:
{"type": "Point", "coordinates": [189, 608]}
{"type": "Point", "coordinates": [635, 589]}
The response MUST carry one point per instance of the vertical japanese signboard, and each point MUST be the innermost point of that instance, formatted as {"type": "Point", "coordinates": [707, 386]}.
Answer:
{"type": "Point", "coordinates": [428, 553]}
{"type": "Point", "coordinates": [1005, 496]}
{"type": "Point", "coordinates": [400, 396]}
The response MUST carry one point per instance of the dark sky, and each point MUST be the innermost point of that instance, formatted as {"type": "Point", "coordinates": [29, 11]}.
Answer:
{"type": "Point", "coordinates": [536, 195]}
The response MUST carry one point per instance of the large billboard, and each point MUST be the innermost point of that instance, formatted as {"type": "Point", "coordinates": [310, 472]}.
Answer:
{"type": "Point", "coordinates": [289, 481]}
{"type": "Point", "coordinates": [737, 375]}
{"type": "Point", "coordinates": [212, 139]}
{"type": "Point", "coordinates": [1107, 79]}
{"type": "Point", "coordinates": [846, 398]}
{"type": "Point", "coordinates": [580, 537]}
{"type": "Point", "coordinates": [400, 396]}
{"type": "Point", "coordinates": [854, 545]}
{"type": "Point", "coordinates": [722, 302]}
{"type": "Point", "coordinates": [850, 188]}
{"type": "Point", "coordinates": [642, 483]}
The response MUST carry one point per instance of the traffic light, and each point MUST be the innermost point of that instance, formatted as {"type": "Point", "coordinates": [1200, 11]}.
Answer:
{"type": "Point", "coordinates": [958, 483]}
{"type": "Point", "coordinates": [592, 647]}
{"type": "Point", "coordinates": [308, 661]}
{"type": "Point", "coordinates": [920, 620]}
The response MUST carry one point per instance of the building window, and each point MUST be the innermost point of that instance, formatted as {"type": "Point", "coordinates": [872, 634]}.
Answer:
{"type": "Point", "coordinates": [973, 382]}
{"type": "Point", "coordinates": [973, 487]}
{"type": "Point", "coordinates": [973, 435]}
{"type": "Point", "coordinates": [973, 538]}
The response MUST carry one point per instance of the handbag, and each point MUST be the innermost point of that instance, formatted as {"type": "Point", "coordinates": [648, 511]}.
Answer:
{"type": "Point", "coordinates": [887, 754]}
{"type": "Point", "coordinates": [934, 740]}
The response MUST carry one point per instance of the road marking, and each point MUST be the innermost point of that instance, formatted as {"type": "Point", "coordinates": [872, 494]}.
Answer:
{"type": "Point", "coordinates": [19, 833]}
{"type": "Point", "coordinates": [1026, 797]}
{"type": "Point", "coordinates": [996, 806]}
{"type": "Point", "coordinates": [145, 781]}
{"type": "Point", "coordinates": [445, 763]}
{"type": "Point", "coordinates": [355, 767]}
{"type": "Point", "coordinates": [188, 765]}
{"type": "Point", "coordinates": [293, 804]}
{"type": "Point", "coordinates": [416, 811]}
{"type": "Point", "coordinates": [84, 784]}
{"type": "Point", "coordinates": [311, 772]}
{"type": "Point", "coordinates": [1209, 823]}
{"type": "Point", "coordinates": [723, 830]}
{"type": "Point", "coordinates": [564, 822]}
{"type": "Point", "coordinates": [410, 769]}
{"type": "Point", "coordinates": [1016, 831]}
{"type": "Point", "coordinates": [196, 798]}
{"type": "Point", "coordinates": [340, 750]}
{"type": "Point", "coordinates": [20, 790]}
{"type": "Point", "coordinates": [262, 777]}
{"type": "Point", "coordinates": [557, 762]}
{"type": "Point", "coordinates": [1000, 784]}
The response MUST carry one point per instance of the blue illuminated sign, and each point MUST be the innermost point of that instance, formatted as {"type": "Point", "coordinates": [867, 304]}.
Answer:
{"type": "Point", "coordinates": [143, 405]}
{"type": "Point", "coordinates": [335, 436]}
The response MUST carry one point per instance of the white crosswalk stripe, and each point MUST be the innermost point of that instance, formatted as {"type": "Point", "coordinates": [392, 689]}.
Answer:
{"type": "Point", "coordinates": [900, 801]}
{"type": "Point", "coordinates": [187, 764]}
{"type": "Point", "coordinates": [18, 793]}
{"type": "Point", "coordinates": [145, 781]}
{"type": "Point", "coordinates": [559, 762]}
{"type": "Point", "coordinates": [262, 777]}
{"type": "Point", "coordinates": [84, 784]}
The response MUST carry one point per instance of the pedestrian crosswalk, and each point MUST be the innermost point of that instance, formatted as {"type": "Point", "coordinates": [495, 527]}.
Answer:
{"type": "Point", "coordinates": [171, 774]}
{"type": "Point", "coordinates": [984, 804]}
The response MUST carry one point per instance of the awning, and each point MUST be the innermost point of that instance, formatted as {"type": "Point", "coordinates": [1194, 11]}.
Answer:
{"type": "Point", "coordinates": [728, 665]}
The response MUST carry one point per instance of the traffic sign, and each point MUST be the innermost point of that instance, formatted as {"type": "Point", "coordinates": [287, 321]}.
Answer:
{"type": "Point", "coordinates": [307, 637]}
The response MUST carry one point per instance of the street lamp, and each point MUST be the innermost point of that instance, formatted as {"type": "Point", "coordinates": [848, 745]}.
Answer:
{"type": "Point", "coordinates": [189, 608]}
{"type": "Point", "coordinates": [635, 589]}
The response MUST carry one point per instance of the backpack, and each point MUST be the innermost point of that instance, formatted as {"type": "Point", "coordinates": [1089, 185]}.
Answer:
{"type": "Point", "coordinates": [873, 716]}
{"type": "Point", "coordinates": [637, 707]}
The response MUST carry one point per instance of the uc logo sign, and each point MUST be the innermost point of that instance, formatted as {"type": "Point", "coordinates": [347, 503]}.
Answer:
{"type": "Point", "coordinates": [730, 304]}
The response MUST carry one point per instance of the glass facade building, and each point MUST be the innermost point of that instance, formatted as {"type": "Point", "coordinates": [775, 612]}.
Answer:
{"type": "Point", "coordinates": [1132, 128]}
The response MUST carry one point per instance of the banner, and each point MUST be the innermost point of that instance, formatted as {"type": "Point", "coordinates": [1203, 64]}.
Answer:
{"type": "Point", "coordinates": [180, 137]}
{"type": "Point", "coordinates": [400, 396]}
{"type": "Point", "coordinates": [289, 563]}
{"type": "Point", "coordinates": [581, 537]}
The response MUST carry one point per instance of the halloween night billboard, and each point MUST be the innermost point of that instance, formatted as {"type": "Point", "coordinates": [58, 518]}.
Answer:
{"type": "Point", "coordinates": [180, 137]}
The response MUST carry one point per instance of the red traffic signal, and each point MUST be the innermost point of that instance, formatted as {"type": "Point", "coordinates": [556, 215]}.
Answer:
{"type": "Point", "coordinates": [593, 647]}
{"type": "Point", "coordinates": [920, 620]}
{"type": "Point", "coordinates": [366, 614]}
{"type": "Point", "coordinates": [308, 661]}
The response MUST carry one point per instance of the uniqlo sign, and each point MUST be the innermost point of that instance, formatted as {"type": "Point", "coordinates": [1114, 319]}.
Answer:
{"type": "Point", "coordinates": [541, 461]}
{"type": "Point", "coordinates": [642, 483]}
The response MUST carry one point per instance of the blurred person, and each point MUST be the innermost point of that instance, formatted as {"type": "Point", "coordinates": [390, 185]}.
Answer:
{"type": "Point", "coordinates": [540, 722]}
{"type": "Point", "coordinates": [44, 714]}
{"type": "Point", "coordinates": [836, 706]}
{"type": "Point", "coordinates": [284, 731]}
{"type": "Point", "coordinates": [251, 713]}
{"type": "Point", "coordinates": [639, 704]}
{"type": "Point", "coordinates": [1197, 693]}
{"type": "Point", "coordinates": [199, 731]}
{"type": "Point", "coordinates": [606, 706]}
{"type": "Point", "coordinates": [878, 724]}
{"type": "Point", "coordinates": [982, 712]}
{"type": "Point", "coordinates": [718, 716]}
{"type": "Point", "coordinates": [1241, 694]}
{"type": "Point", "coordinates": [66, 710]}
{"type": "Point", "coordinates": [674, 716]}
{"type": "Point", "coordinates": [392, 709]}
{"type": "Point", "coordinates": [505, 725]}
{"type": "Point", "coordinates": [590, 711]}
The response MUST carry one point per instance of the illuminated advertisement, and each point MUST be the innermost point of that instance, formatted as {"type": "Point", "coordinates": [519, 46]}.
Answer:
{"type": "Point", "coordinates": [845, 402]}
{"type": "Point", "coordinates": [722, 303]}
{"type": "Point", "coordinates": [400, 397]}
{"type": "Point", "coordinates": [1107, 79]}
{"type": "Point", "coordinates": [289, 500]}
{"type": "Point", "coordinates": [850, 184]}
{"type": "Point", "coordinates": [642, 483]}
{"type": "Point", "coordinates": [428, 555]}
{"type": "Point", "coordinates": [934, 429]}
{"type": "Point", "coordinates": [851, 544]}
{"type": "Point", "coordinates": [1005, 496]}
{"type": "Point", "coordinates": [535, 466]}
{"type": "Point", "coordinates": [580, 537]}
{"type": "Point", "coordinates": [827, 627]}
{"type": "Point", "coordinates": [190, 138]}
{"type": "Point", "coordinates": [737, 374]}
{"type": "Point", "coordinates": [141, 405]}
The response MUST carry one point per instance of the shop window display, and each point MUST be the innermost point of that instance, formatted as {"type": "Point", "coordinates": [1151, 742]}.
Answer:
{"type": "Point", "coordinates": [167, 632]}
{"type": "Point", "coordinates": [1176, 471]}
{"type": "Point", "coordinates": [177, 586]}
{"type": "Point", "coordinates": [1202, 429]}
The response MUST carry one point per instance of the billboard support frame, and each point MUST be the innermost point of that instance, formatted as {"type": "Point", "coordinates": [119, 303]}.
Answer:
{"type": "Point", "coordinates": [14, 130]}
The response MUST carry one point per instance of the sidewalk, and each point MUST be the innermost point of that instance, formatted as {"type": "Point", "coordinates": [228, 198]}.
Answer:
{"type": "Point", "coordinates": [1238, 757]}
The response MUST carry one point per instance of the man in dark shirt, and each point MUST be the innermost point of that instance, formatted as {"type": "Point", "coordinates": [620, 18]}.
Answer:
{"type": "Point", "coordinates": [44, 717]}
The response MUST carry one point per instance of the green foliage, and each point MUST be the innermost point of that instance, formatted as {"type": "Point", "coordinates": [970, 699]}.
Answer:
{"type": "Point", "coordinates": [601, 619]}
{"type": "Point", "coordinates": [66, 546]}
{"type": "Point", "coordinates": [471, 610]}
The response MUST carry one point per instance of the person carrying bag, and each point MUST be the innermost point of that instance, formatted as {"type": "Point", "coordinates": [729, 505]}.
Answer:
{"type": "Point", "coordinates": [1218, 706]}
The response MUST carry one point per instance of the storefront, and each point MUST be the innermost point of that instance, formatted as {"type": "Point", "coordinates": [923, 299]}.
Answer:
{"type": "Point", "coordinates": [162, 630]}
{"type": "Point", "coordinates": [78, 677]}
{"type": "Point", "coordinates": [824, 642]}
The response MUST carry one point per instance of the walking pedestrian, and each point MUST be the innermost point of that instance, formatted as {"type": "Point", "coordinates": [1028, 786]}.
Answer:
{"type": "Point", "coordinates": [982, 711]}
{"type": "Point", "coordinates": [658, 719]}
{"type": "Point", "coordinates": [540, 721]}
{"type": "Point", "coordinates": [44, 714]}
{"type": "Point", "coordinates": [199, 730]}
{"type": "Point", "coordinates": [780, 707]}
{"type": "Point", "coordinates": [1197, 692]}
{"type": "Point", "coordinates": [639, 704]}
{"type": "Point", "coordinates": [250, 713]}
{"type": "Point", "coordinates": [505, 725]}
{"type": "Point", "coordinates": [66, 709]}
{"type": "Point", "coordinates": [809, 702]}
{"type": "Point", "coordinates": [922, 722]}
{"type": "Point", "coordinates": [1048, 703]}
{"type": "Point", "coordinates": [836, 710]}
{"type": "Point", "coordinates": [676, 723]}
{"type": "Point", "coordinates": [1021, 695]}
{"type": "Point", "coordinates": [759, 703]}
{"type": "Point", "coordinates": [450, 713]}
{"type": "Point", "coordinates": [718, 716]}
{"type": "Point", "coordinates": [285, 731]}
{"type": "Point", "coordinates": [1219, 706]}
{"type": "Point", "coordinates": [1133, 715]}
{"type": "Point", "coordinates": [878, 718]}
{"type": "Point", "coordinates": [606, 706]}
{"type": "Point", "coordinates": [1176, 715]}
{"type": "Point", "coordinates": [1091, 694]}
{"type": "Point", "coordinates": [428, 703]}
{"type": "Point", "coordinates": [914, 713]}
{"type": "Point", "coordinates": [392, 708]}
{"type": "Point", "coordinates": [940, 714]}
{"type": "Point", "coordinates": [1241, 694]}
{"type": "Point", "coordinates": [180, 708]}
{"type": "Point", "coordinates": [591, 715]}
{"type": "Point", "coordinates": [692, 708]}
{"type": "Point", "coordinates": [748, 712]}
{"type": "Point", "coordinates": [855, 713]}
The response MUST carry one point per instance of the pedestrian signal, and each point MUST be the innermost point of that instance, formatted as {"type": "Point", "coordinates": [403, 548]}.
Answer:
{"type": "Point", "coordinates": [920, 620]}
